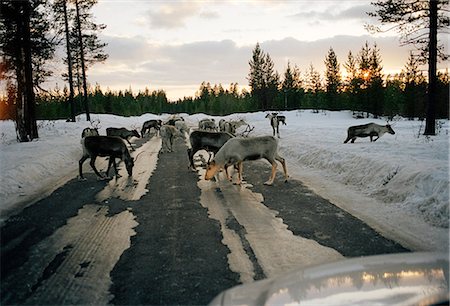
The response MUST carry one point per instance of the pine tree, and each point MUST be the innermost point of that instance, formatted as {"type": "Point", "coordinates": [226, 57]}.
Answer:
{"type": "Point", "coordinates": [352, 82]}
{"type": "Point", "coordinates": [332, 79]}
{"type": "Point", "coordinates": [272, 81]}
{"type": "Point", "coordinates": [291, 86]}
{"type": "Point", "coordinates": [413, 19]}
{"type": "Point", "coordinates": [256, 80]}
{"type": "Point", "coordinates": [413, 80]}
{"type": "Point", "coordinates": [364, 75]}
{"type": "Point", "coordinates": [25, 46]}
{"type": "Point", "coordinates": [62, 15]}
{"type": "Point", "coordinates": [376, 83]}
{"type": "Point", "coordinates": [85, 45]}
{"type": "Point", "coordinates": [313, 85]}
{"type": "Point", "coordinates": [263, 80]}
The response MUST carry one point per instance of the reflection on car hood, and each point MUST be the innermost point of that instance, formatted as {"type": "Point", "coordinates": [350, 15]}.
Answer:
{"type": "Point", "coordinates": [393, 279]}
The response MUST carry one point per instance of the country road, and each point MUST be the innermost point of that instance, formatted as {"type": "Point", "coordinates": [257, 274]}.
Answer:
{"type": "Point", "coordinates": [166, 236]}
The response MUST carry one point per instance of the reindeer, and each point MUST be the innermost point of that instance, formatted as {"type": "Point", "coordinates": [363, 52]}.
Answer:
{"type": "Point", "coordinates": [222, 125]}
{"type": "Point", "coordinates": [181, 126]}
{"type": "Point", "coordinates": [368, 130]}
{"type": "Point", "coordinates": [207, 124]}
{"type": "Point", "coordinates": [231, 126]}
{"type": "Point", "coordinates": [168, 134]}
{"type": "Point", "coordinates": [123, 133]}
{"type": "Point", "coordinates": [237, 150]}
{"type": "Point", "coordinates": [89, 132]}
{"type": "Point", "coordinates": [154, 123]}
{"type": "Point", "coordinates": [275, 120]}
{"type": "Point", "coordinates": [173, 120]}
{"type": "Point", "coordinates": [105, 146]}
{"type": "Point", "coordinates": [208, 141]}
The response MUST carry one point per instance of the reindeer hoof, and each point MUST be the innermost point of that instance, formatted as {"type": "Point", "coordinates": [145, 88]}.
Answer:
{"type": "Point", "coordinates": [268, 183]}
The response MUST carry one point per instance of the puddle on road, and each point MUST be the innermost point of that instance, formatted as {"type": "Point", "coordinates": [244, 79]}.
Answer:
{"type": "Point", "coordinates": [133, 188]}
{"type": "Point", "coordinates": [73, 265]}
{"type": "Point", "coordinates": [276, 248]}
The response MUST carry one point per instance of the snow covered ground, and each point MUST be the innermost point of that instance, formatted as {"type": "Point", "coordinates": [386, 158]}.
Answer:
{"type": "Point", "coordinates": [399, 184]}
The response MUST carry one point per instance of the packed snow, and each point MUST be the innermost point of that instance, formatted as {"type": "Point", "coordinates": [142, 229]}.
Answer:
{"type": "Point", "coordinates": [399, 184]}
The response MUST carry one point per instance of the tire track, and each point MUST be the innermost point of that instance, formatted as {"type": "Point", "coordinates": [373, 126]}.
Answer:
{"type": "Point", "coordinates": [83, 277]}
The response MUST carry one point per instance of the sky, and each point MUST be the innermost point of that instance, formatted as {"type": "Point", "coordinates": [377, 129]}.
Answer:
{"type": "Point", "coordinates": [175, 45]}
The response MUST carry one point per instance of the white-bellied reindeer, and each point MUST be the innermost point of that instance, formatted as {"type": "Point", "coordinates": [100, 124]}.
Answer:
{"type": "Point", "coordinates": [237, 150]}
{"type": "Point", "coordinates": [275, 120]}
{"type": "Point", "coordinates": [105, 146]}
{"type": "Point", "coordinates": [368, 130]}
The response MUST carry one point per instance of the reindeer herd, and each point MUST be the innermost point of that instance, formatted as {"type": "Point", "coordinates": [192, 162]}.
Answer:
{"type": "Point", "coordinates": [221, 141]}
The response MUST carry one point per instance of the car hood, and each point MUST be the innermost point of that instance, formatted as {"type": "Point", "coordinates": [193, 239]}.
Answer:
{"type": "Point", "coordinates": [393, 279]}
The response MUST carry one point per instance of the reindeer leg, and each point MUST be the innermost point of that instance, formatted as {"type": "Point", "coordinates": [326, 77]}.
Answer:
{"type": "Point", "coordinates": [240, 167]}
{"type": "Point", "coordinates": [115, 167]}
{"type": "Point", "coordinates": [92, 163]}
{"type": "Point", "coordinates": [171, 144]}
{"type": "Point", "coordinates": [229, 178]}
{"type": "Point", "coordinates": [272, 176]}
{"type": "Point", "coordinates": [109, 165]}
{"type": "Point", "coordinates": [132, 149]}
{"type": "Point", "coordinates": [283, 163]}
{"type": "Point", "coordinates": [80, 166]}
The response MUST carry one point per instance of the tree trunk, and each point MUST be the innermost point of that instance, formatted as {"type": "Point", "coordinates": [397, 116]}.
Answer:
{"type": "Point", "coordinates": [30, 103]}
{"type": "Point", "coordinates": [26, 127]}
{"type": "Point", "coordinates": [430, 125]}
{"type": "Point", "coordinates": [69, 63]}
{"type": "Point", "coordinates": [83, 70]}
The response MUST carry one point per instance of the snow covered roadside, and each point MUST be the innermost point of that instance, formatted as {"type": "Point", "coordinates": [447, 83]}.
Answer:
{"type": "Point", "coordinates": [398, 184]}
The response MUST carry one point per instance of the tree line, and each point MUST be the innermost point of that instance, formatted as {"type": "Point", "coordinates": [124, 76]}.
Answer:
{"type": "Point", "coordinates": [364, 89]}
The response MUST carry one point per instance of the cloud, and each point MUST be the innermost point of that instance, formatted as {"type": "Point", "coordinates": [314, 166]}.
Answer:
{"type": "Point", "coordinates": [139, 63]}
{"type": "Point", "coordinates": [173, 14]}
{"type": "Point", "coordinates": [357, 12]}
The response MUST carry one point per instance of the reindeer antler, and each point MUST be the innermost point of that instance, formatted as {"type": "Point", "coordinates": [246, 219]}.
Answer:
{"type": "Point", "coordinates": [95, 123]}
{"type": "Point", "coordinates": [247, 131]}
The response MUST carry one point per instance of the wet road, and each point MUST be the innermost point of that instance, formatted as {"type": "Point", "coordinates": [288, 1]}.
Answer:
{"type": "Point", "coordinates": [168, 237]}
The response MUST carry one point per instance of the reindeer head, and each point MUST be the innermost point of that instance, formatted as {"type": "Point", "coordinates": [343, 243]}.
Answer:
{"type": "Point", "coordinates": [96, 124]}
{"type": "Point", "coordinates": [389, 129]}
{"type": "Point", "coordinates": [129, 164]}
{"type": "Point", "coordinates": [136, 134]}
{"type": "Point", "coordinates": [211, 169]}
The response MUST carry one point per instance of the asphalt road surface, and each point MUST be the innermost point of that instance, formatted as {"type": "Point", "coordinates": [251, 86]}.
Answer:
{"type": "Point", "coordinates": [167, 237]}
